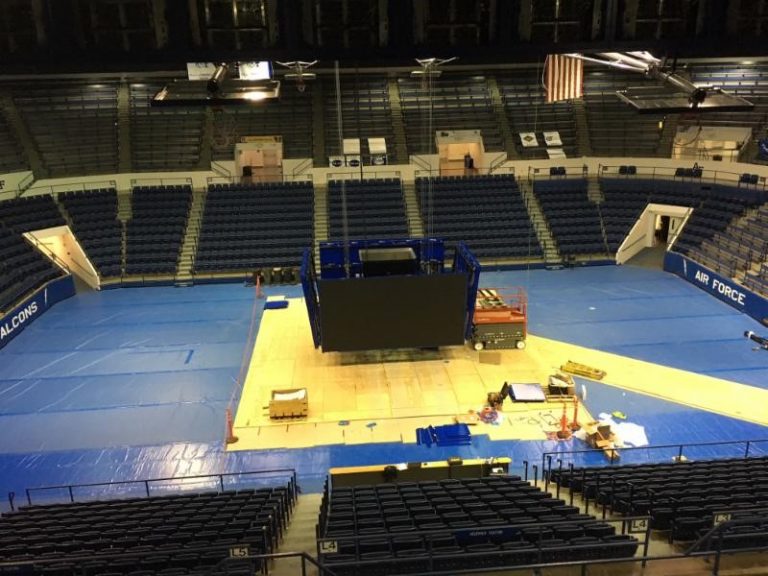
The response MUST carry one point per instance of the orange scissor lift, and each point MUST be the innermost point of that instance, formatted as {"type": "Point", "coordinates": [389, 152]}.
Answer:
{"type": "Point", "coordinates": [500, 320]}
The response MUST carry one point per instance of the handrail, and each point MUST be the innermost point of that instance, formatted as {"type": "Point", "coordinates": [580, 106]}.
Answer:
{"type": "Point", "coordinates": [676, 234]}
{"type": "Point", "coordinates": [500, 161]}
{"type": "Point", "coordinates": [219, 168]}
{"type": "Point", "coordinates": [480, 172]}
{"type": "Point", "coordinates": [135, 182]}
{"type": "Point", "coordinates": [416, 159]}
{"type": "Point", "coordinates": [54, 189]}
{"type": "Point", "coordinates": [668, 173]}
{"type": "Point", "coordinates": [718, 528]}
{"type": "Point", "coordinates": [25, 183]}
{"type": "Point", "coordinates": [302, 167]}
{"type": "Point", "coordinates": [47, 251]}
{"type": "Point", "coordinates": [148, 482]}
{"type": "Point", "coordinates": [572, 171]}
{"type": "Point", "coordinates": [375, 175]}
{"type": "Point", "coordinates": [547, 456]}
{"type": "Point", "coordinates": [272, 556]}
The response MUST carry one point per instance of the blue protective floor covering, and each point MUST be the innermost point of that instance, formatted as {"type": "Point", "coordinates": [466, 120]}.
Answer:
{"type": "Point", "coordinates": [641, 313]}
{"type": "Point", "coordinates": [133, 383]}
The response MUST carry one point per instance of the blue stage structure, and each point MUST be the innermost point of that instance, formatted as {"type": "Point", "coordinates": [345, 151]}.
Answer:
{"type": "Point", "coordinates": [384, 294]}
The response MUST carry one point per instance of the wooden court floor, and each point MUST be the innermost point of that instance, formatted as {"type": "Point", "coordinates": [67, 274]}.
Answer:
{"type": "Point", "coordinates": [357, 398]}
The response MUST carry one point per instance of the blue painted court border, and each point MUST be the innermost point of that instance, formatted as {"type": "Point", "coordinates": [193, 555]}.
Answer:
{"type": "Point", "coordinates": [136, 357]}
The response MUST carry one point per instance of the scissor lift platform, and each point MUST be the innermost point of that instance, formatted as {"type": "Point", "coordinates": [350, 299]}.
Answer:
{"type": "Point", "coordinates": [500, 319]}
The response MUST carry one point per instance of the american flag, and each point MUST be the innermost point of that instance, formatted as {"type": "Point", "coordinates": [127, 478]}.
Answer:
{"type": "Point", "coordinates": [563, 77]}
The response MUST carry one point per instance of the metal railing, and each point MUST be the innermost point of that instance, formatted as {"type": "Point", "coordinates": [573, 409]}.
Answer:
{"type": "Point", "coordinates": [220, 169]}
{"type": "Point", "coordinates": [25, 184]}
{"type": "Point", "coordinates": [301, 168]}
{"type": "Point", "coordinates": [55, 189]}
{"type": "Point", "coordinates": [669, 173]}
{"type": "Point", "coordinates": [144, 488]}
{"type": "Point", "coordinates": [50, 254]}
{"type": "Point", "coordinates": [237, 554]}
{"type": "Point", "coordinates": [572, 171]}
{"type": "Point", "coordinates": [669, 452]}
{"type": "Point", "coordinates": [183, 181]}
{"type": "Point", "coordinates": [480, 171]}
{"type": "Point", "coordinates": [627, 525]}
{"type": "Point", "coordinates": [357, 175]}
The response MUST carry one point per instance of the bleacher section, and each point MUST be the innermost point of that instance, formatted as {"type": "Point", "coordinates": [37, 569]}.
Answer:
{"type": "Point", "coordinates": [22, 268]}
{"type": "Point", "coordinates": [720, 205]}
{"type": "Point", "coordinates": [458, 524]}
{"type": "Point", "coordinates": [457, 104]}
{"type": "Point", "coordinates": [758, 280]}
{"type": "Point", "coordinates": [375, 209]}
{"type": "Point", "coordinates": [486, 212]}
{"type": "Point", "coordinates": [572, 217]}
{"type": "Point", "coordinates": [365, 114]}
{"type": "Point", "coordinates": [527, 111]}
{"type": "Point", "coordinates": [164, 535]}
{"type": "Point", "coordinates": [156, 229]}
{"type": "Point", "coordinates": [624, 202]}
{"type": "Point", "coordinates": [749, 81]}
{"type": "Point", "coordinates": [11, 155]}
{"type": "Point", "coordinates": [32, 213]}
{"type": "Point", "coordinates": [250, 227]}
{"type": "Point", "coordinates": [94, 222]}
{"type": "Point", "coordinates": [73, 126]}
{"type": "Point", "coordinates": [682, 497]}
{"type": "Point", "coordinates": [615, 129]}
{"type": "Point", "coordinates": [749, 236]}
{"type": "Point", "coordinates": [627, 197]}
{"type": "Point", "coordinates": [163, 139]}
{"type": "Point", "coordinates": [289, 117]}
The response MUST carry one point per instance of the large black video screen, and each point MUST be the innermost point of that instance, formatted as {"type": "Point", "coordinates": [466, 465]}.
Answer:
{"type": "Point", "coordinates": [387, 312]}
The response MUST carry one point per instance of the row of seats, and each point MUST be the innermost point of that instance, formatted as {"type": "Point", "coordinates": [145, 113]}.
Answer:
{"type": "Point", "coordinates": [366, 114]}
{"type": "Point", "coordinates": [252, 213]}
{"type": "Point", "coordinates": [73, 127]}
{"type": "Point", "coordinates": [573, 219]}
{"type": "Point", "coordinates": [681, 497]}
{"type": "Point", "coordinates": [12, 158]}
{"type": "Point", "coordinates": [22, 269]}
{"type": "Point", "coordinates": [156, 212]}
{"type": "Point", "coordinates": [487, 213]}
{"type": "Point", "coordinates": [166, 139]}
{"type": "Point", "coordinates": [93, 214]}
{"type": "Point", "coordinates": [30, 213]}
{"type": "Point", "coordinates": [375, 209]}
{"type": "Point", "coordinates": [164, 535]}
{"type": "Point", "coordinates": [418, 526]}
{"type": "Point", "coordinates": [290, 117]}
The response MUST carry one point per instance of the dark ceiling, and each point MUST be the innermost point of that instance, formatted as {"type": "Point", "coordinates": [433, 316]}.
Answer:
{"type": "Point", "coordinates": [123, 35]}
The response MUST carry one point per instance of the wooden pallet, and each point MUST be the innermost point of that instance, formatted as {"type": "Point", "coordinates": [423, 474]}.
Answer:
{"type": "Point", "coordinates": [583, 370]}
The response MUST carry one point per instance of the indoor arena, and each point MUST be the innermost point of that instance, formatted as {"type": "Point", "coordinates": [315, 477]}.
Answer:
{"type": "Point", "coordinates": [383, 287]}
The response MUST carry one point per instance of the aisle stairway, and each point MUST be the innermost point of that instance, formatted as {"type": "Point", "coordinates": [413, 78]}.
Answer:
{"type": "Point", "coordinates": [191, 235]}
{"type": "Point", "coordinates": [299, 537]}
{"type": "Point", "coordinates": [548, 245]}
{"type": "Point", "coordinates": [415, 225]}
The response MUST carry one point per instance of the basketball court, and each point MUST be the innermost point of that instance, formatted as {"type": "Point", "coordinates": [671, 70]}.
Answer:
{"type": "Point", "coordinates": [383, 396]}
{"type": "Point", "coordinates": [134, 383]}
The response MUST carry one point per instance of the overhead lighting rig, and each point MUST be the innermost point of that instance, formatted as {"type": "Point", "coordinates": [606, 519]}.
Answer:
{"type": "Point", "coordinates": [430, 67]}
{"type": "Point", "coordinates": [225, 83]}
{"type": "Point", "coordinates": [298, 72]}
{"type": "Point", "coordinates": [675, 94]}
